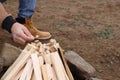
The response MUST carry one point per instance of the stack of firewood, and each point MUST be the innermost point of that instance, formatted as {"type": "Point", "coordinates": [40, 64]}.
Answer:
{"type": "Point", "coordinates": [39, 62]}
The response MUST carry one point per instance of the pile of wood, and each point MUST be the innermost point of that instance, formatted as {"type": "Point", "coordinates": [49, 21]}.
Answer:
{"type": "Point", "coordinates": [40, 62]}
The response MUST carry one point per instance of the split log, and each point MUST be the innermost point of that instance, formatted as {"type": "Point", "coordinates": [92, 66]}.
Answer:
{"type": "Point", "coordinates": [19, 63]}
{"type": "Point", "coordinates": [29, 75]}
{"type": "Point", "coordinates": [58, 66]}
{"type": "Point", "coordinates": [47, 58]}
{"type": "Point", "coordinates": [33, 76]}
{"type": "Point", "coordinates": [26, 70]}
{"type": "Point", "coordinates": [36, 66]}
{"type": "Point", "coordinates": [18, 74]}
{"type": "Point", "coordinates": [54, 74]}
{"type": "Point", "coordinates": [65, 63]}
{"type": "Point", "coordinates": [39, 62]}
{"type": "Point", "coordinates": [47, 72]}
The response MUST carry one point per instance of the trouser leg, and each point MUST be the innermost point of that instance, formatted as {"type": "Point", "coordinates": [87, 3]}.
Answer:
{"type": "Point", "coordinates": [26, 8]}
{"type": "Point", "coordinates": [2, 1]}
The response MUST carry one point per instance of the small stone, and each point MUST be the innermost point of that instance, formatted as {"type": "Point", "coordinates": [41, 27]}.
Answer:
{"type": "Point", "coordinates": [9, 53]}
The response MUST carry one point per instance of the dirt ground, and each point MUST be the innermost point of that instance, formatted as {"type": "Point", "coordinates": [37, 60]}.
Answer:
{"type": "Point", "coordinates": [89, 27]}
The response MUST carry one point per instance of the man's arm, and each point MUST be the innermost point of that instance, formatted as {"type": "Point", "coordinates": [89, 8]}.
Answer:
{"type": "Point", "coordinates": [19, 32]}
{"type": "Point", "coordinates": [3, 13]}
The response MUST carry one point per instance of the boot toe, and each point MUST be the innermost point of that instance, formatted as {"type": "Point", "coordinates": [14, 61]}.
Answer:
{"type": "Point", "coordinates": [44, 35]}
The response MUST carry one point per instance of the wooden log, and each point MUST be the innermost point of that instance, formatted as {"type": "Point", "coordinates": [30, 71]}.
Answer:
{"type": "Point", "coordinates": [58, 66]}
{"type": "Point", "coordinates": [41, 61]}
{"type": "Point", "coordinates": [65, 63]}
{"type": "Point", "coordinates": [61, 54]}
{"type": "Point", "coordinates": [36, 66]}
{"type": "Point", "coordinates": [47, 72]}
{"type": "Point", "coordinates": [53, 66]}
{"type": "Point", "coordinates": [54, 74]}
{"type": "Point", "coordinates": [18, 74]}
{"type": "Point", "coordinates": [41, 49]}
{"type": "Point", "coordinates": [44, 73]}
{"type": "Point", "coordinates": [33, 76]}
{"type": "Point", "coordinates": [47, 59]}
{"type": "Point", "coordinates": [38, 44]}
{"type": "Point", "coordinates": [29, 75]}
{"type": "Point", "coordinates": [17, 65]}
{"type": "Point", "coordinates": [26, 70]}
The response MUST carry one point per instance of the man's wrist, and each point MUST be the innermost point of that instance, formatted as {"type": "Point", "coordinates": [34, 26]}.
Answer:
{"type": "Point", "coordinates": [8, 22]}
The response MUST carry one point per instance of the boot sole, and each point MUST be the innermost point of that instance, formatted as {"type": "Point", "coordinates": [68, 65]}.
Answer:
{"type": "Point", "coordinates": [43, 38]}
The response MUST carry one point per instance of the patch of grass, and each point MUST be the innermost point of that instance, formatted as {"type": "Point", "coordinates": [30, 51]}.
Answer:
{"type": "Point", "coordinates": [73, 24]}
{"type": "Point", "coordinates": [104, 34]}
{"type": "Point", "coordinates": [59, 24]}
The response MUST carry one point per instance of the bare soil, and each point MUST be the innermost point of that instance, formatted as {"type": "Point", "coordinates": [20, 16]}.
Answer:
{"type": "Point", "coordinates": [89, 27]}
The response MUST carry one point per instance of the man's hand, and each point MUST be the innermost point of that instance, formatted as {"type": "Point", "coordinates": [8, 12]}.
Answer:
{"type": "Point", "coordinates": [21, 34]}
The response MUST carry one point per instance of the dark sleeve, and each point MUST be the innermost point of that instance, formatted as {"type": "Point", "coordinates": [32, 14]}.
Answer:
{"type": "Point", "coordinates": [7, 23]}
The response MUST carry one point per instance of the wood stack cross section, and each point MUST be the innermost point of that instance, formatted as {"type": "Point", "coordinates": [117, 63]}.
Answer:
{"type": "Point", "coordinates": [39, 61]}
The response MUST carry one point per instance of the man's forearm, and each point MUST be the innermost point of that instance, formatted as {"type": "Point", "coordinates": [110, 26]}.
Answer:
{"type": "Point", "coordinates": [6, 20]}
{"type": "Point", "coordinates": [3, 13]}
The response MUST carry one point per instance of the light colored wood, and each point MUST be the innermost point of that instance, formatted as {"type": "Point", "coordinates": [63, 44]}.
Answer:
{"type": "Point", "coordinates": [44, 73]}
{"type": "Point", "coordinates": [41, 61]}
{"type": "Point", "coordinates": [54, 74]}
{"type": "Point", "coordinates": [18, 74]}
{"type": "Point", "coordinates": [58, 66]}
{"type": "Point", "coordinates": [33, 76]}
{"type": "Point", "coordinates": [47, 72]}
{"type": "Point", "coordinates": [47, 59]}
{"type": "Point", "coordinates": [41, 49]}
{"type": "Point", "coordinates": [65, 64]}
{"type": "Point", "coordinates": [36, 66]}
{"type": "Point", "coordinates": [29, 73]}
{"type": "Point", "coordinates": [17, 65]}
{"type": "Point", "coordinates": [39, 64]}
{"type": "Point", "coordinates": [30, 47]}
{"type": "Point", "coordinates": [26, 70]}
{"type": "Point", "coordinates": [38, 44]}
{"type": "Point", "coordinates": [53, 41]}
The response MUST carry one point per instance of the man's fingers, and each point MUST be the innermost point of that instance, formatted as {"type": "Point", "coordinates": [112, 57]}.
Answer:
{"type": "Point", "coordinates": [19, 40]}
{"type": "Point", "coordinates": [27, 35]}
{"type": "Point", "coordinates": [26, 38]}
{"type": "Point", "coordinates": [27, 32]}
{"type": "Point", "coordinates": [21, 34]}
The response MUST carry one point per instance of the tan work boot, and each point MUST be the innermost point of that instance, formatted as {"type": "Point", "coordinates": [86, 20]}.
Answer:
{"type": "Point", "coordinates": [34, 31]}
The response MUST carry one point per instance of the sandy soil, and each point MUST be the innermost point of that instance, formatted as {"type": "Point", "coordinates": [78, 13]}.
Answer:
{"type": "Point", "coordinates": [89, 27]}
